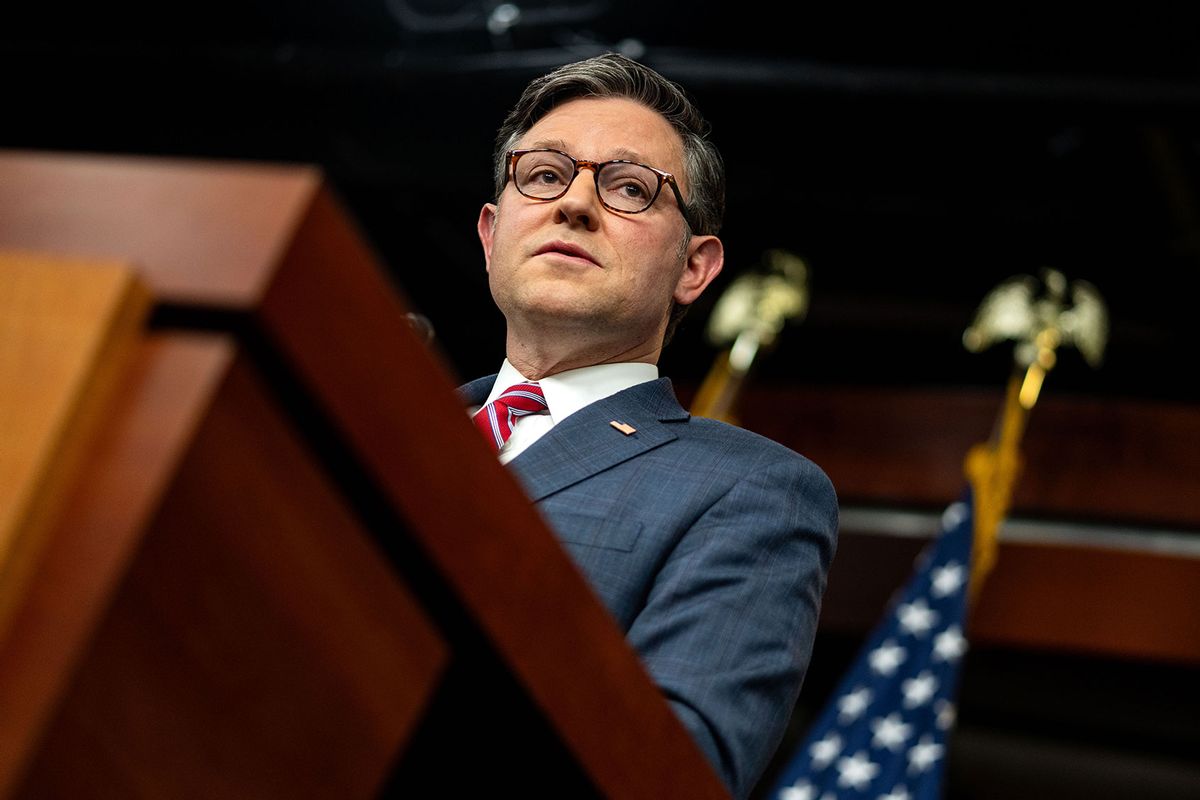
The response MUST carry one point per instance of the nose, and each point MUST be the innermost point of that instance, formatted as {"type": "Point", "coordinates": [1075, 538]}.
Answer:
{"type": "Point", "coordinates": [580, 205]}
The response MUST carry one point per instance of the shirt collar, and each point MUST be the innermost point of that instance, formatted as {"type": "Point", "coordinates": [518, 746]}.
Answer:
{"type": "Point", "coordinates": [569, 391]}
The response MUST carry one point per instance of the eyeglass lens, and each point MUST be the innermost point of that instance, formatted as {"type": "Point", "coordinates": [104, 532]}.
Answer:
{"type": "Point", "coordinates": [625, 187]}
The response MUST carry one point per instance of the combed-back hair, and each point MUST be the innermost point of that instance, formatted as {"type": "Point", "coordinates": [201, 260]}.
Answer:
{"type": "Point", "coordinates": [614, 75]}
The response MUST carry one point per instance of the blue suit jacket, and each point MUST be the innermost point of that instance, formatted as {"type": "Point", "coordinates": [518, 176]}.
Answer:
{"type": "Point", "coordinates": [709, 544]}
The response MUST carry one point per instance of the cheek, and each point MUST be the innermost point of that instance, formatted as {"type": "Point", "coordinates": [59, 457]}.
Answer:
{"type": "Point", "coordinates": [513, 226]}
{"type": "Point", "coordinates": [504, 241]}
{"type": "Point", "coordinates": [658, 255]}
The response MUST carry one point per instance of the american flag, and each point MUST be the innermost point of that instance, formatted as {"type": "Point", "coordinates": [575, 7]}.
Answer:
{"type": "Point", "coordinates": [883, 734]}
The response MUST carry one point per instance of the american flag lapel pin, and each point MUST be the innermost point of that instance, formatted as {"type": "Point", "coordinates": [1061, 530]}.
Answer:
{"type": "Point", "coordinates": [628, 430]}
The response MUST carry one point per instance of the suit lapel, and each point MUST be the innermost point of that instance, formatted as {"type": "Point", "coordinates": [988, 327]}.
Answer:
{"type": "Point", "coordinates": [477, 391]}
{"type": "Point", "coordinates": [585, 443]}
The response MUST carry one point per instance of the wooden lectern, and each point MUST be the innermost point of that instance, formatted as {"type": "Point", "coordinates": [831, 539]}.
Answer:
{"type": "Point", "coordinates": [249, 544]}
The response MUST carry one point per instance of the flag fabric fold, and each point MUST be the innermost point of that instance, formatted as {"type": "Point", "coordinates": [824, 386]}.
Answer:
{"type": "Point", "coordinates": [883, 734]}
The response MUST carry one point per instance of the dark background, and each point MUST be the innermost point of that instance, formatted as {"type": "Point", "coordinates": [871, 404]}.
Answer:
{"type": "Point", "coordinates": [912, 163]}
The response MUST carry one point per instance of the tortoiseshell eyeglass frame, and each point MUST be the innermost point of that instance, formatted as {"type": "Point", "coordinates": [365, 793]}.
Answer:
{"type": "Point", "coordinates": [663, 177]}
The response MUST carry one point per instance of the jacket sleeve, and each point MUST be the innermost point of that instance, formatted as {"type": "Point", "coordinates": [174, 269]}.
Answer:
{"type": "Point", "coordinates": [728, 627]}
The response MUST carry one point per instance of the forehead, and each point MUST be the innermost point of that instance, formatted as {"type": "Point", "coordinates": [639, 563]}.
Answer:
{"type": "Point", "coordinates": [604, 128]}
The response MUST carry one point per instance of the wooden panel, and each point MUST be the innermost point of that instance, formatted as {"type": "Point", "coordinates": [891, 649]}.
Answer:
{"type": "Point", "coordinates": [206, 234]}
{"type": "Point", "coordinates": [1085, 458]}
{"type": "Point", "coordinates": [257, 646]}
{"type": "Point", "coordinates": [66, 331]}
{"type": "Point", "coordinates": [149, 426]}
{"type": "Point", "coordinates": [1092, 600]}
{"type": "Point", "coordinates": [341, 326]}
{"type": "Point", "coordinates": [1082, 599]}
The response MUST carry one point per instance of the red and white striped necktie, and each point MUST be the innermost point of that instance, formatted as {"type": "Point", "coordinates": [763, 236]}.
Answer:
{"type": "Point", "coordinates": [495, 420]}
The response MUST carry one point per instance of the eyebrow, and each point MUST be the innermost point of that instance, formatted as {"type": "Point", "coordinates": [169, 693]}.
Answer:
{"type": "Point", "coordinates": [618, 153]}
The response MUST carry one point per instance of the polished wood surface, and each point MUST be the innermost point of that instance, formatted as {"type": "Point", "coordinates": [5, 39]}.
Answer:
{"type": "Point", "coordinates": [1085, 458]}
{"type": "Point", "coordinates": [245, 637]}
{"type": "Point", "coordinates": [1092, 600]}
{"type": "Point", "coordinates": [67, 328]}
{"type": "Point", "coordinates": [315, 305]}
{"type": "Point", "coordinates": [206, 234]}
{"type": "Point", "coordinates": [151, 419]}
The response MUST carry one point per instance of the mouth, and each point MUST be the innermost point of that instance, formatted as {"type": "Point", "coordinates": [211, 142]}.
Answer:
{"type": "Point", "coordinates": [568, 250]}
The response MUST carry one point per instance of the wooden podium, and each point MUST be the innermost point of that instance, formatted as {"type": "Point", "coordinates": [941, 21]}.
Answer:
{"type": "Point", "coordinates": [249, 544]}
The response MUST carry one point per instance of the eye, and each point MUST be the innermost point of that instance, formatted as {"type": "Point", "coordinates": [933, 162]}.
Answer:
{"type": "Point", "coordinates": [634, 190]}
{"type": "Point", "coordinates": [545, 176]}
{"type": "Point", "coordinates": [628, 187]}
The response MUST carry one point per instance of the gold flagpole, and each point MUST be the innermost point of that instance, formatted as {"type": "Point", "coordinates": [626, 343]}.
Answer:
{"type": "Point", "coordinates": [747, 320]}
{"type": "Point", "coordinates": [1040, 323]}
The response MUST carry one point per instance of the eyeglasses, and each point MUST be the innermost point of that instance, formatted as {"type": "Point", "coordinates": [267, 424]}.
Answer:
{"type": "Point", "coordinates": [625, 187]}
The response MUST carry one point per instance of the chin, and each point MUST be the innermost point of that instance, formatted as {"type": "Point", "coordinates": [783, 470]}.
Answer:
{"type": "Point", "coordinates": [556, 302]}
{"type": "Point", "coordinates": [562, 313]}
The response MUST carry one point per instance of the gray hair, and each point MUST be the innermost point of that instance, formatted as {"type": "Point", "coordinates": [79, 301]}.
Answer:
{"type": "Point", "coordinates": [614, 75]}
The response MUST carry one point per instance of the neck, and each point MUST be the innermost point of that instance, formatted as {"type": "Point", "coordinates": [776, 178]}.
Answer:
{"type": "Point", "coordinates": [539, 358]}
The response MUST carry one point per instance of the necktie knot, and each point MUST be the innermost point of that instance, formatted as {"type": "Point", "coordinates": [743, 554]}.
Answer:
{"type": "Point", "coordinates": [496, 420]}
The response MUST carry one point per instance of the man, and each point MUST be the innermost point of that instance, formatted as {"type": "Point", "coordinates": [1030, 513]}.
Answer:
{"type": "Point", "coordinates": [709, 544]}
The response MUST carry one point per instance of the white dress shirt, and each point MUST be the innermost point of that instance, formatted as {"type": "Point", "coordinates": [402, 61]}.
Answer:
{"type": "Point", "coordinates": [565, 393]}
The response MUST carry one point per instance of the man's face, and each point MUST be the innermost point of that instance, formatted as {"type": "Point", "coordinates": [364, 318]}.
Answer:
{"type": "Point", "coordinates": [572, 265]}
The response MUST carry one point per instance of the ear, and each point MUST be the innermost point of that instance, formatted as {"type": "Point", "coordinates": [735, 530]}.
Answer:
{"type": "Point", "coordinates": [706, 256]}
{"type": "Point", "coordinates": [487, 230]}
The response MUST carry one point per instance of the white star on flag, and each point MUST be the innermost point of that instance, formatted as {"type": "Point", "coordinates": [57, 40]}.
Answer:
{"type": "Point", "coordinates": [946, 713]}
{"type": "Point", "coordinates": [801, 791]}
{"type": "Point", "coordinates": [852, 705]}
{"type": "Point", "coordinates": [897, 793]}
{"type": "Point", "coordinates": [949, 645]}
{"type": "Point", "coordinates": [890, 732]}
{"type": "Point", "coordinates": [919, 690]}
{"type": "Point", "coordinates": [885, 658]}
{"type": "Point", "coordinates": [954, 515]}
{"type": "Point", "coordinates": [857, 772]}
{"type": "Point", "coordinates": [917, 617]}
{"type": "Point", "coordinates": [923, 754]}
{"type": "Point", "coordinates": [947, 580]}
{"type": "Point", "coordinates": [825, 751]}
